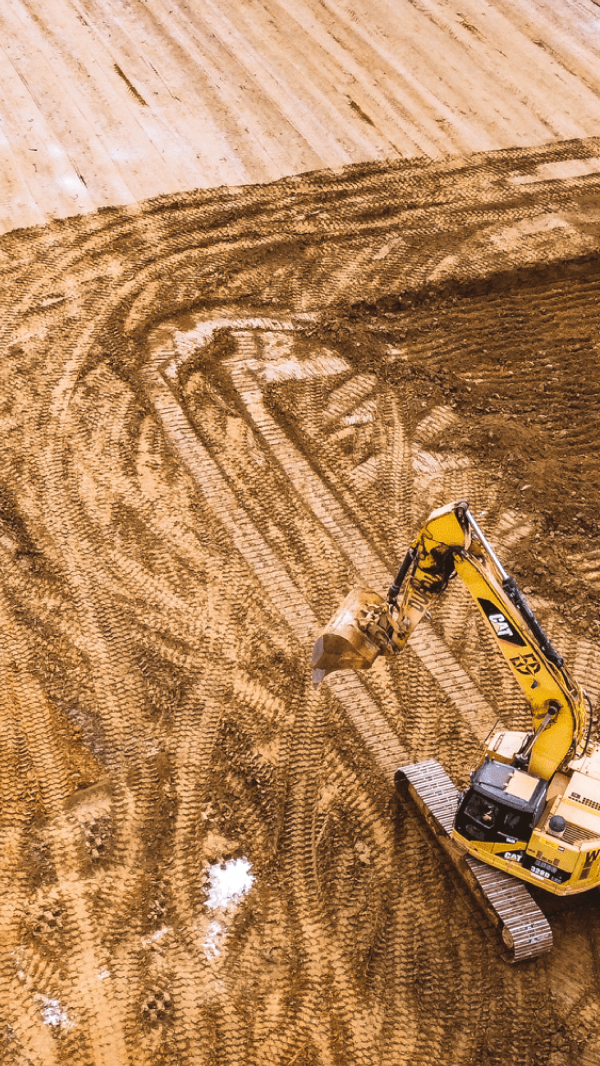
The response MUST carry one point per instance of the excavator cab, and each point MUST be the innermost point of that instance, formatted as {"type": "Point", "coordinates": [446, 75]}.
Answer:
{"type": "Point", "coordinates": [502, 805]}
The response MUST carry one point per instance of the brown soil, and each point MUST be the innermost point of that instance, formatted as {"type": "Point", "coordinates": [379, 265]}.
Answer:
{"type": "Point", "coordinates": [518, 368]}
{"type": "Point", "coordinates": [176, 520]}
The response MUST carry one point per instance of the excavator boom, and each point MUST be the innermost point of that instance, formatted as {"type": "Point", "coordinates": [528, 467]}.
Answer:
{"type": "Point", "coordinates": [451, 542]}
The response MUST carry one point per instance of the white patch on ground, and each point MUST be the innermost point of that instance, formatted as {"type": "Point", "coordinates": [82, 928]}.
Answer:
{"type": "Point", "coordinates": [188, 341]}
{"type": "Point", "coordinates": [361, 415]}
{"type": "Point", "coordinates": [324, 365]}
{"type": "Point", "coordinates": [156, 936]}
{"type": "Point", "coordinates": [508, 236]}
{"type": "Point", "coordinates": [229, 883]}
{"type": "Point", "coordinates": [53, 1014]}
{"type": "Point", "coordinates": [559, 169]}
{"type": "Point", "coordinates": [211, 940]}
{"type": "Point", "coordinates": [396, 242]}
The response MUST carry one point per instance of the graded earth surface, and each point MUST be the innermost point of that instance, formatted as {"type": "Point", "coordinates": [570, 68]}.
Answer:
{"type": "Point", "coordinates": [110, 102]}
{"type": "Point", "coordinates": [222, 411]}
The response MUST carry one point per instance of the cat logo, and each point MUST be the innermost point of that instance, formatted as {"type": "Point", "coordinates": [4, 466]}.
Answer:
{"type": "Point", "coordinates": [501, 625]}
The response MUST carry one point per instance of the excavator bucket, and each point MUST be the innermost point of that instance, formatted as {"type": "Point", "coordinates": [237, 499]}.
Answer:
{"type": "Point", "coordinates": [350, 639]}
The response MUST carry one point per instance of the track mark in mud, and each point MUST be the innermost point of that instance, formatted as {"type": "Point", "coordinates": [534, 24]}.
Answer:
{"type": "Point", "coordinates": [247, 368]}
{"type": "Point", "coordinates": [209, 438]}
{"type": "Point", "coordinates": [131, 88]}
{"type": "Point", "coordinates": [361, 114]}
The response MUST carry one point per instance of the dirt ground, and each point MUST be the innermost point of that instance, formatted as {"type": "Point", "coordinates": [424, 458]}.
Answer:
{"type": "Point", "coordinates": [222, 410]}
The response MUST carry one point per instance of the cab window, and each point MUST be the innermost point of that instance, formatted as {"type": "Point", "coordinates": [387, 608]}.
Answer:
{"type": "Point", "coordinates": [482, 811]}
{"type": "Point", "coordinates": [513, 823]}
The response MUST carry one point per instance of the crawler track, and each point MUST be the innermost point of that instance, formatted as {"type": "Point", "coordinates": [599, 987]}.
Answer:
{"type": "Point", "coordinates": [522, 924]}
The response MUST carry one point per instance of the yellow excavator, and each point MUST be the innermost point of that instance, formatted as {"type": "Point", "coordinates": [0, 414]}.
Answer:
{"type": "Point", "coordinates": [532, 810]}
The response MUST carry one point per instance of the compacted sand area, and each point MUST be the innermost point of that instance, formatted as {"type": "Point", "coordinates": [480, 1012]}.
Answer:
{"type": "Point", "coordinates": [110, 102]}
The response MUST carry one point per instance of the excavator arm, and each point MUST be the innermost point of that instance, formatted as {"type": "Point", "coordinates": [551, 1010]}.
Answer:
{"type": "Point", "coordinates": [451, 542]}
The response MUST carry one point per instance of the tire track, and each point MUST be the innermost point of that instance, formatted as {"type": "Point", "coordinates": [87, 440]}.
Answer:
{"type": "Point", "coordinates": [259, 557]}
{"type": "Point", "coordinates": [217, 248]}
{"type": "Point", "coordinates": [311, 491]}
{"type": "Point", "coordinates": [20, 1014]}
{"type": "Point", "coordinates": [308, 910]}
{"type": "Point", "coordinates": [30, 705]}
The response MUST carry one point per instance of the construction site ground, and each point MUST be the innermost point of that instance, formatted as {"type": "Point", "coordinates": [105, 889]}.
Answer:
{"type": "Point", "coordinates": [106, 102]}
{"type": "Point", "coordinates": [221, 411]}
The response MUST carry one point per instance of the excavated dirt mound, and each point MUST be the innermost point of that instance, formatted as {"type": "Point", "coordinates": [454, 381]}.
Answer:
{"type": "Point", "coordinates": [220, 412]}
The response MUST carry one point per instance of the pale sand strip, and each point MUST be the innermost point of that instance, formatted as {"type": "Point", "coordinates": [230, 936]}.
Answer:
{"type": "Point", "coordinates": [104, 103]}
